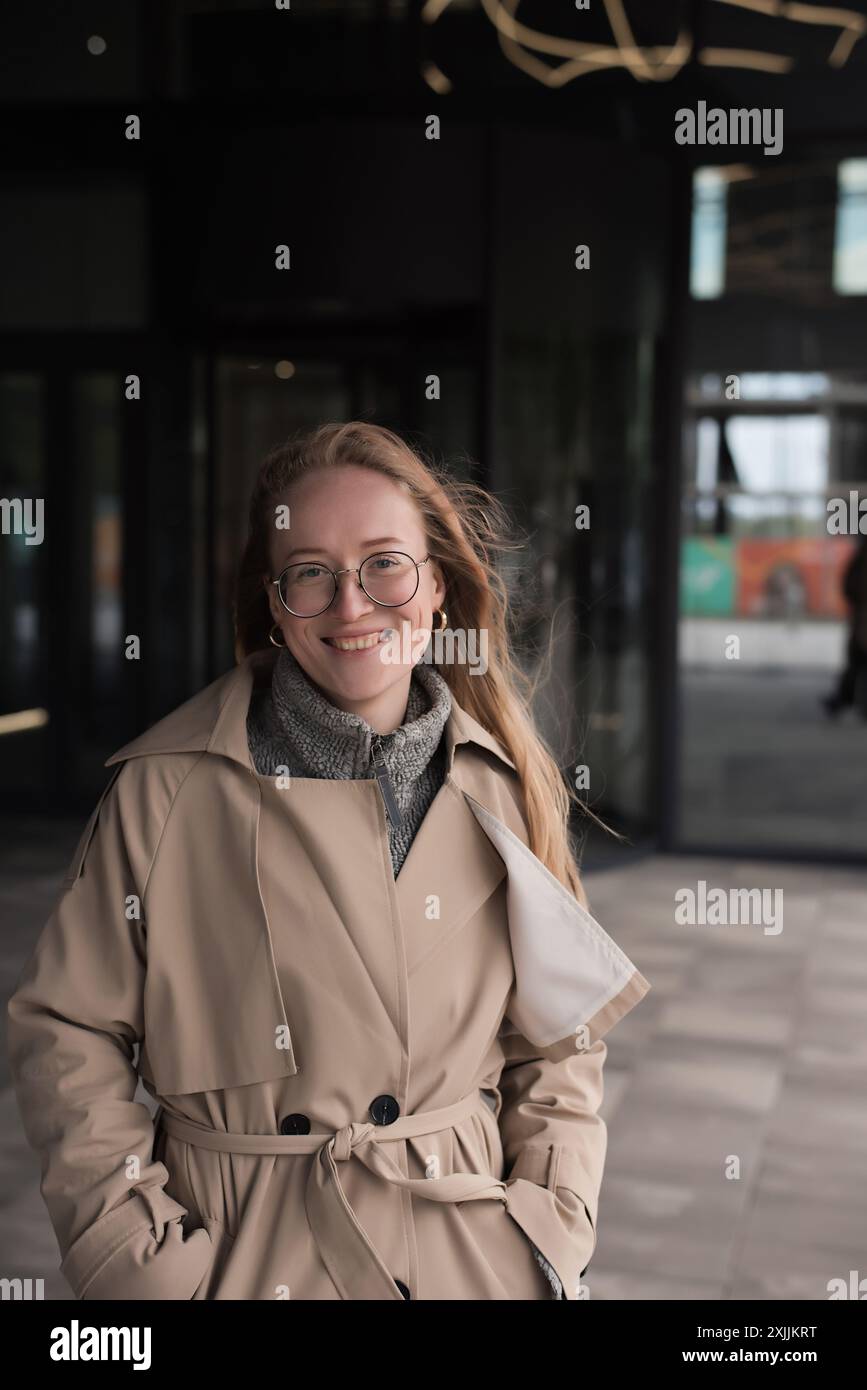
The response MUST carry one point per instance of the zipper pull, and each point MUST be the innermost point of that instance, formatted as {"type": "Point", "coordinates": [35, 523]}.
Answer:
{"type": "Point", "coordinates": [385, 784]}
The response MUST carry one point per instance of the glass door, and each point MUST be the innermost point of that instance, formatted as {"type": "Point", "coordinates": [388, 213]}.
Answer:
{"type": "Point", "coordinates": [23, 712]}
{"type": "Point", "coordinates": [68, 688]}
{"type": "Point", "coordinates": [764, 618]}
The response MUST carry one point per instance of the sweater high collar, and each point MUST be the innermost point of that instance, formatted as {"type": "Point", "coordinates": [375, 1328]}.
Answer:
{"type": "Point", "coordinates": [329, 742]}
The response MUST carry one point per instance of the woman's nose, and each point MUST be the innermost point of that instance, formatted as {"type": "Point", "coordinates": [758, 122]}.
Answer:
{"type": "Point", "coordinates": [350, 596]}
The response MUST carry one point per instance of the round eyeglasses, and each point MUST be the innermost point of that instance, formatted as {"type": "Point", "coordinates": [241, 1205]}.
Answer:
{"type": "Point", "coordinates": [389, 578]}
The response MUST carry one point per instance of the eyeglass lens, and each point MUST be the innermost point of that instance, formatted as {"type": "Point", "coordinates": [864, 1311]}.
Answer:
{"type": "Point", "coordinates": [389, 577]}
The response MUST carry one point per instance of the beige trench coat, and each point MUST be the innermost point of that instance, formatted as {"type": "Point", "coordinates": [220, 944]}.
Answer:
{"type": "Point", "coordinates": [367, 1087]}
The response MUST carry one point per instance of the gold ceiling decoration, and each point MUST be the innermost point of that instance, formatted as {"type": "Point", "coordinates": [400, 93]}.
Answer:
{"type": "Point", "coordinates": [659, 63]}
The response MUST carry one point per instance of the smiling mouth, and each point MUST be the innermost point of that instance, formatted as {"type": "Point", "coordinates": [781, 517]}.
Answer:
{"type": "Point", "coordinates": [356, 644]}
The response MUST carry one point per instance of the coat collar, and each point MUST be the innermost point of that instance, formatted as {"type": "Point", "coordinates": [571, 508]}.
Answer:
{"type": "Point", "coordinates": [215, 721]}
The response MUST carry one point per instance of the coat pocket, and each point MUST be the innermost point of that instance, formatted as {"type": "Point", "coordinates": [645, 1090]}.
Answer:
{"type": "Point", "coordinates": [139, 1251]}
{"type": "Point", "coordinates": [494, 1256]}
{"type": "Point", "coordinates": [504, 1266]}
{"type": "Point", "coordinates": [557, 1227]}
{"type": "Point", "coordinates": [542, 1196]}
{"type": "Point", "coordinates": [223, 1244]}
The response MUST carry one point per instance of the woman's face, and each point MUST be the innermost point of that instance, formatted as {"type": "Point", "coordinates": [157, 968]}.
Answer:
{"type": "Point", "coordinates": [338, 517]}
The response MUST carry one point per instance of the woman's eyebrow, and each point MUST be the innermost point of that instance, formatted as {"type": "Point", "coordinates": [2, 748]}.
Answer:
{"type": "Point", "coordinates": [313, 550]}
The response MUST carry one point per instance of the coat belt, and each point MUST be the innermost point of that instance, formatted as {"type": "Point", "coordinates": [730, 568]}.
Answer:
{"type": "Point", "coordinates": [352, 1260]}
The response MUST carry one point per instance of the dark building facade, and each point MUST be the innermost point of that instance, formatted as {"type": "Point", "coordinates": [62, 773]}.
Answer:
{"type": "Point", "coordinates": [151, 351]}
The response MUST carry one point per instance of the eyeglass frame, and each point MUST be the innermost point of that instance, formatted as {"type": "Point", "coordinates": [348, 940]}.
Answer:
{"type": "Point", "coordinates": [355, 569]}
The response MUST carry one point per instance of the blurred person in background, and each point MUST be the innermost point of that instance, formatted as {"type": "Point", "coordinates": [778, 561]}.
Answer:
{"type": "Point", "coordinates": [852, 685]}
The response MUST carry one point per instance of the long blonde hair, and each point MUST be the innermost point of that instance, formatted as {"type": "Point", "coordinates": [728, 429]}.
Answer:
{"type": "Point", "coordinates": [466, 527]}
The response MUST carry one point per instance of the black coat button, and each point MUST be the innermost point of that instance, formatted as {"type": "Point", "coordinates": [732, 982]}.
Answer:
{"type": "Point", "coordinates": [295, 1124]}
{"type": "Point", "coordinates": [404, 1290]}
{"type": "Point", "coordinates": [384, 1110]}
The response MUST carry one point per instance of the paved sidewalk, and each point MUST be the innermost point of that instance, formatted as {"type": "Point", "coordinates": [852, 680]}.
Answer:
{"type": "Point", "coordinates": [763, 766]}
{"type": "Point", "coordinates": [751, 1048]}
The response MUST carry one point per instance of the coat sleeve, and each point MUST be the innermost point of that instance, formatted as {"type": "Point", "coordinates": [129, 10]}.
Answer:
{"type": "Point", "coordinates": [554, 1146]}
{"type": "Point", "coordinates": [75, 1014]}
{"type": "Point", "coordinates": [554, 1137]}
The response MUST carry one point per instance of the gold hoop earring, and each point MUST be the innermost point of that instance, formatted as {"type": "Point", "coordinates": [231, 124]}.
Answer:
{"type": "Point", "coordinates": [275, 628]}
{"type": "Point", "coordinates": [443, 620]}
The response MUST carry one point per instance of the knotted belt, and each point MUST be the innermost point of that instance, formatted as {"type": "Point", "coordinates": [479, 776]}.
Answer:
{"type": "Point", "coordinates": [349, 1254]}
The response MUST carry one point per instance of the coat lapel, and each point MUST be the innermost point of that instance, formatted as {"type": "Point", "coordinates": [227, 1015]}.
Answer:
{"type": "Point", "coordinates": [450, 871]}
{"type": "Point", "coordinates": [572, 981]}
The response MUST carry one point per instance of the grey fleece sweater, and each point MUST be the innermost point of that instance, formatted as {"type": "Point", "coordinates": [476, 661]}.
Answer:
{"type": "Point", "coordinates": [293, 726]}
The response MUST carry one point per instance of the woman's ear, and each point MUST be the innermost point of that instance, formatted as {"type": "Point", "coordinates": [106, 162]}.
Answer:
{"type": "Point", "coordinates": [439, 591]}
{"type": "Point", "coordinates": [271, 595]}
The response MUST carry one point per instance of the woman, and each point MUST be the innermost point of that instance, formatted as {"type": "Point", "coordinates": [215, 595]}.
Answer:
{"type": "Point", "coordinates": [332, 898]}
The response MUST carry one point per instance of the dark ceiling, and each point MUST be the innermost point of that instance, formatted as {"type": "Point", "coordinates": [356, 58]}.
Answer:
{"type": "Point", "coordinates": [320, 56]}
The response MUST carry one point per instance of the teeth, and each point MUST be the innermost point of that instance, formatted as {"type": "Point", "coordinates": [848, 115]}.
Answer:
{"type": "Point", "coordinates": [354, 644]}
